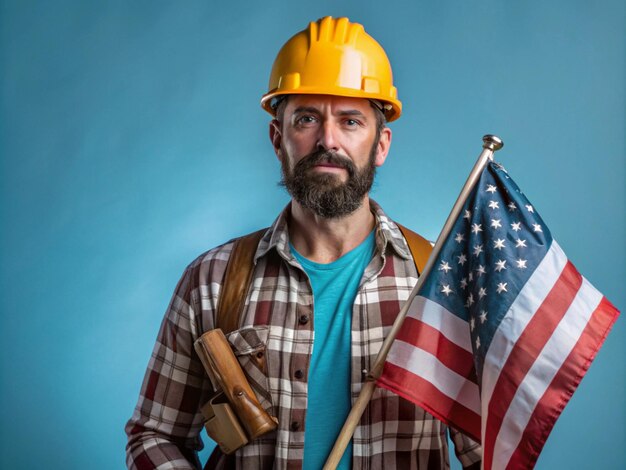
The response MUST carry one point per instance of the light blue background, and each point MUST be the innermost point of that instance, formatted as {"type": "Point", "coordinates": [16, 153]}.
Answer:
{"type": "Point", "coordinates": [131, 140]}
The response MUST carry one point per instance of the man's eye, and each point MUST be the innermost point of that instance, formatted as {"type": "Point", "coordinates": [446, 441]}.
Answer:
{"type": "Point", "coordinates": [351, 122]}
{"type": "Point", "coordinates": [306, 120]}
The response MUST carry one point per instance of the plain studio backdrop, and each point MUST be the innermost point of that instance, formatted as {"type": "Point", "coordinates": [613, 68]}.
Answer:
{"type": "Point", "coordinates": [132, 140]}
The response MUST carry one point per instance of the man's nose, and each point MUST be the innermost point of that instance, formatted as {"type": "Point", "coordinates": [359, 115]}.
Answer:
{"type": "Point", "coordinates": [327, 139]}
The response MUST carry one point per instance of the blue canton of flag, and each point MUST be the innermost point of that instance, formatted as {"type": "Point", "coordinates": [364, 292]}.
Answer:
{"type": "Point", "coordinates": [502, 330]}
{"type": "Point", "coordinates": [494, 248]}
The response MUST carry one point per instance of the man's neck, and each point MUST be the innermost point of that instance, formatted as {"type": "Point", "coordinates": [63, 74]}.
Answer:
{"type": "Point", "coordinates": [325, 240]}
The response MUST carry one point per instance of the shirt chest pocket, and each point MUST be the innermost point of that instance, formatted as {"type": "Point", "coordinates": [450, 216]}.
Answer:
{"type": "Point", "coordinates": [250, 347]}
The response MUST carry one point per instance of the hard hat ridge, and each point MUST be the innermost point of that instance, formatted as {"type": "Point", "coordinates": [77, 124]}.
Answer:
{"type": "Point", "coordinates": [337, 31]}
{"type": "Point", "coordinates": [333, 57]}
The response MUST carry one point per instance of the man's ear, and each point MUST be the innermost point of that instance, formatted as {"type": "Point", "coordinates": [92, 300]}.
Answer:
{"type": "Point", "coordinates": [275, 136]}
{"type": "Point", "coordinates": [384, 143]}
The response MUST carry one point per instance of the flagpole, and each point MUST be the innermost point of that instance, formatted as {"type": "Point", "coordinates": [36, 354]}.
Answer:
{"type": "Point", "coordinates": [491, 144]}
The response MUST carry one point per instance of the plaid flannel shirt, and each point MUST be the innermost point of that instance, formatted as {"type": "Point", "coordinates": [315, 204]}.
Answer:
{"type": "Point", "coordinates": [278, 319]}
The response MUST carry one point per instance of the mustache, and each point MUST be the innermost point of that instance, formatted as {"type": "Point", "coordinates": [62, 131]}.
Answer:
{"type": "Point", "coordinates": [325, 156]}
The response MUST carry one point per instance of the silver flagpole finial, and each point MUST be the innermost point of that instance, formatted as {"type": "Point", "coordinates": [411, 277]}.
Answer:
{"type": "Point", "coordinates": [492, 142]}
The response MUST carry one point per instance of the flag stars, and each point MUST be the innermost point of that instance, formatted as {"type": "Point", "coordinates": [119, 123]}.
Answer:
{"type": "Point", "coordinates": [520, 243]}
{"type": "Point", "coordinates": [444, 267]}
{"type": "Point", "coordinates": [445, 289]}
{"type": "Point", "coordinates": [529, 208]}
{"type": "Point", "coordinates": [494, 205]}
{"type": "Point", "coordinates": [462, 259]}
{"type": "Point", "coordinates": [480, 270]}
{"type": "Point", "coordinates": [477, 342]}
{"type": "Point", "coordinates": [521, 263]}
{"type": "Point", "coordinates": [491, 188]}
{"type": "Point", "coordinates": [470, 276]}
{"type": "Point", "coordinates": [463, 283]}
{"type": "Point", "coordinates": [483, 316]}
{"type": "Point", "coordinates": [512, 206]}
{"type": "Point", "coordinates": [482, 292]}
{"type": "Point", "coordinates": [516, 226]}
{"type": "Point", "coordinates": [478, 249]}
{"type": "Point", "coordinates": [537, 228]}
{"type": "Point", "coordinates": [495, 223]}
{"type": "Point", "coordinates": [467, 215]}
{"type": "Point", "coordinates": [501, 287]}
{"type": "Point", "coordinates": [477, 228]}
{"type": "Point", "coordinates": [459, 237]}
{"type": "Point", "coordinates": [470, 300]}
{"type": "Point", "coordinates": [498, 244]}
{"type": "Point", "coordinates": [472, 324]}
{"type": "Point", "coordinates": [500, 265]}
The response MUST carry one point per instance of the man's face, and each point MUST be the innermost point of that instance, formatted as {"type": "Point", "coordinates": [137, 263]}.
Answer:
{"type": "Point", "coordinates": [329, 148]}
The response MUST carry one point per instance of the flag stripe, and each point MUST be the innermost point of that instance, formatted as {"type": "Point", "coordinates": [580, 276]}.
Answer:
{"type": "Point", "coordinates": [450, 325]}
{"type": "Point", "coordinates": [424, 393]}
{"type": "Point", "coordinates": [565, 382]}
{"type": "Point", "coordinates": [547, 366]}
{"type": "Point", "coordinates": [524, 354]}
{"type": "Point", "coordinates": [429, 339]}
{"type": "Point", "coordinates": [517, 318]}
{"type": "Point", "coordinates": [418, 362]}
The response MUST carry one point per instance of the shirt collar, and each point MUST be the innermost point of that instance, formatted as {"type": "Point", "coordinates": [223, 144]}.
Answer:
{"type": "Point", "coordinates": [387, 234]}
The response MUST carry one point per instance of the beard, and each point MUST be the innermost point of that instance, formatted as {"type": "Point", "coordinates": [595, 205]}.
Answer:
{"type": "Point", "coordinates": [323, 193]}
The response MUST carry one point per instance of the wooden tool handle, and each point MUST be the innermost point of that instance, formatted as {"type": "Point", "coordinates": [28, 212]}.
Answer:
{"type": "Point", "coordinates": [224, 369]}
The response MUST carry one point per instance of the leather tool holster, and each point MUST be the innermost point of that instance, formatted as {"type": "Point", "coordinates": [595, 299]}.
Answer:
{"type": "Point", "coordinates": [233, 415]}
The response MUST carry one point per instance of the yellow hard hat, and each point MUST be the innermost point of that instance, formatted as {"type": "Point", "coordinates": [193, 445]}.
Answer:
{"type": "Point", "coordinates": [334, 57]}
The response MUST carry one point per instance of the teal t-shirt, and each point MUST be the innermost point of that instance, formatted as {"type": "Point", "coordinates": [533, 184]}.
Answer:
{"type": "Point", "coordinates": [334, 289]}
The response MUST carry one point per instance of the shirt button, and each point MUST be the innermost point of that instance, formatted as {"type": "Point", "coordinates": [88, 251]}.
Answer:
{"type": "Point", "coordinates": [295, 425]}
{"type": "Point", "coordinates": [304, 319]}
{"type": "Point", "coordinates": [299, 374]}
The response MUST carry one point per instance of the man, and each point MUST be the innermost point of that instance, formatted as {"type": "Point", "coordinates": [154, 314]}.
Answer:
{"type": "Point", "coordinates": [330, 275]}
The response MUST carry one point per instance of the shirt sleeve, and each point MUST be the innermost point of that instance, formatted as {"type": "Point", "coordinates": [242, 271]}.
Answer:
{"type": "Point", "coordinates": [468, 451]}
{"type": "Point", "coordinates": [164, 431]}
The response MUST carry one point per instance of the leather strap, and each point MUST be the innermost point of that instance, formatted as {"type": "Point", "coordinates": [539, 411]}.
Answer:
{"type": "Point", "coordinates": [420, 247]}
{"type": "Point", "coordinates": [236, 282]}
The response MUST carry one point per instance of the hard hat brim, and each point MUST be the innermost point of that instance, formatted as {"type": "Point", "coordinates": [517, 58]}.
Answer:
{"type": "Point", "coordinates": [392, 108]}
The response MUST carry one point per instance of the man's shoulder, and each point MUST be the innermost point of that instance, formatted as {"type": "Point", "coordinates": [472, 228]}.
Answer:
{"type": "Point", "coordinates": [215, 260]}
{"type": "Point", "coordinates": [217, 254]}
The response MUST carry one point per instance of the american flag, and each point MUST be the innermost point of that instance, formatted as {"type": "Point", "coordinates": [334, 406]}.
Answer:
{"type": "Point", "coordinates": [502, 330]}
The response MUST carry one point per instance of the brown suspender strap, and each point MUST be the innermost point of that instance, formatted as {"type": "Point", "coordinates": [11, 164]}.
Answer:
{"type": "Point", "coordinates": [236, 281]}
{"type": "Point", "coordinates": [419, 246]}
{"type": "Point", "coordinates": [231, 423]}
